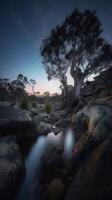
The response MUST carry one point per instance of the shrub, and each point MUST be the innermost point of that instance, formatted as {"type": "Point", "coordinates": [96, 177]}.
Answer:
{"type": "Point", "coordinates": [24, 104]}
{"type": "Point", "coordinates": [34, 104]}
{"type": "Point", "coordinates": [47, 108]}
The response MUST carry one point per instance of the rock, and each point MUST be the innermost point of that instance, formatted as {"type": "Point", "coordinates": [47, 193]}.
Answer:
{"type": "Point", "coordinates": [57, 130]}
{"type": "Point", "coordinates": [4, 103]}
{"type": "Point", "coordinates": [94, 177]}
{"type": "Point", "coordinates": [34, 111]}
{"type": "Point", "coordinates": [55, 190]}
{"type": "Point", "coordinates": [12, 169]}
{"type": "Point", "coordinates": [44, 128]}
{"type": "Point", "coordinates": [104, 93]}
{"type": "Point", "coordinates": [63, 123]}
{"type": "Point", "coordinates": [42, 117]}
{"type": "Point", "coordinates": [92, 162]}
{"type": "Point", "coordinates": [17, 122]}
{"type": "Point", "coordinates": [55, 116]}
{"type": "Point", "coordinates": [53, 157]}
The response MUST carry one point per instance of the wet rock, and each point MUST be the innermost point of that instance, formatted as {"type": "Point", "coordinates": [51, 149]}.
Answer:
{"type": "Point", "coordinates": [92, 161]}
{"type": "Point", "coordinates": [53, 157]}
{"type": "Point", "coordinates": [94, 177]}
{"type": "Point", "coordinates": [12, 168]}
{"type": "Point", "coordinates": [57, 130]}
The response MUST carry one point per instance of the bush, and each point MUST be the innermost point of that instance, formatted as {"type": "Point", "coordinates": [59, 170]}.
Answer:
{"type": "Point", "coordinates": [47, 108]}
{"type": "Point", "coordinates": [24, 104]}
{"type": "Point", "coordinates": [34, 104]}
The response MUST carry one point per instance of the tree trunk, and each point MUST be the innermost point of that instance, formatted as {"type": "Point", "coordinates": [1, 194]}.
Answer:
{"type": "Point", "coordinates": [78, 88]}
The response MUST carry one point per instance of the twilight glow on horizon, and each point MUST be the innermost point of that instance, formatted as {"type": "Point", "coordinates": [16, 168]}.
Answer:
{"type": "Point", "coordinates": [23, 25]}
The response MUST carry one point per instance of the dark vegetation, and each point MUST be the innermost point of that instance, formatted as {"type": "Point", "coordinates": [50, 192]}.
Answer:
{"type": "Point", "coordinates": [77, 44]}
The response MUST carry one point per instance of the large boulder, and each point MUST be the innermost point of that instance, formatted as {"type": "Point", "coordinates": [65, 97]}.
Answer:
{"type": "Point", "coordinates": [12, 169]}
{"type": "Point", "coordinates": [94, 177]}
{"type": "Point", "coordinates": [92, 162]}
{"type": "Point", "coordinates": [14, 121]}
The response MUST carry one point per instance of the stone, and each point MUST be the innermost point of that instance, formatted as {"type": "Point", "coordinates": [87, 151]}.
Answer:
{"type": "Point", "coordinates": [12, 169]}
{"type": "Point", "coordinates": [34, 111]}
{"type": "Point", "coordinates": [63, 123]}
{"type": "Point", "coordinates": [44, 128]}
{"type": "Point", "coordinates": [41, 117]}
{"type": "Point", "coordinates": [17, 122]}
{"type": "Point", "coordinates": [92, 162]}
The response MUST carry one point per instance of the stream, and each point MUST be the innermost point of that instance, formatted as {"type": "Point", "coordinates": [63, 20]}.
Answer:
{"type": "Point", "coordinates": [33, 160]}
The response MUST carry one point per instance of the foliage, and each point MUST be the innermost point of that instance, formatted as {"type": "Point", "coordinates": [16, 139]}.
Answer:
{"type": "Point", "coordinates": [48, 107]}
{"type": "Point", "coordinates": [32, 83]}
{"type": "Point", "coordinates": [17, 87]}
{"type": "Point", "coordinates": [24, 104]}
{"type": "Point", "coordinates": [77, 44]}
{"type": "Point", "coordinates": [53, 52]}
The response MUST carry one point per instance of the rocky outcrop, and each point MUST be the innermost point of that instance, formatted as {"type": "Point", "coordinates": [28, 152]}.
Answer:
{"type": "Point", "coordinates": [100, 87]}
{"type": "Point", "coordinates": [92, 161]}
{"type": "Point", "coordinates": [12, 169]}
{"type": "Point", "coordinates": [14, 121]}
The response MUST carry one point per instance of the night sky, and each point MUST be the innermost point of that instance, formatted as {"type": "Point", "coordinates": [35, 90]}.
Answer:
{"type": "Point", "coordinates": [23, 25]}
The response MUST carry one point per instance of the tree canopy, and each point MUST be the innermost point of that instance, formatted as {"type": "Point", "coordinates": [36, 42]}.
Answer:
{"type": "Point", "coordinates": [76, 44]}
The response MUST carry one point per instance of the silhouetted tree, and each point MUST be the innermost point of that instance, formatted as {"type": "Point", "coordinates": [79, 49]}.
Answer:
{"type": "Point", "coordinates": [53, 52]}
{"type": "Point", "coordinates": [88, 52]}
{"type": "Point", "coordinates": [77, 44]}
{"type": "Point", "coordinates": [4, 88]}
{"type": "Point", "coordinates": [32, 83]}
{"type": "Point", "coordinates": [17, 87]}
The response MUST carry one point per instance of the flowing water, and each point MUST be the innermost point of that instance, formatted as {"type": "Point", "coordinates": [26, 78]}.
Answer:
{"type": "Point", "coordinates": [33, 161]}
{"type": "Point", "coordinates": [33, 164]}
{"type": "Point", "coordinates": [69, 141]}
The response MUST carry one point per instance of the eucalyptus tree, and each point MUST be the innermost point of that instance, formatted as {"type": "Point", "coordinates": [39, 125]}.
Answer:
{"type": "Point", "coordinates": [53, 51]}
{"type": "Point", "coordinates": [76, 44]}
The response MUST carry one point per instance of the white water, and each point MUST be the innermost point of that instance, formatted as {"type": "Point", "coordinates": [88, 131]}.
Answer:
{"type": "Point", "coordinates": [33, 161]}
{"type": "Point", "coordinates": [69, 141]}
{"type": "Point", "coordinates": [33, 164]}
